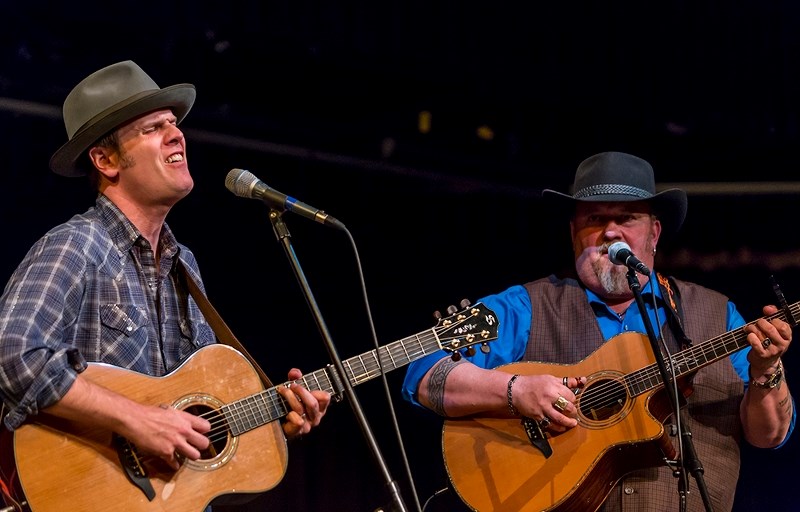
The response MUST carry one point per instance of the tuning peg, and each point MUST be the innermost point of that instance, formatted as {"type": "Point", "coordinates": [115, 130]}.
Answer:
{"type": "Point", "coordinates": [437, 315]}
{"type": "Point", "coordinates": [452, 310]}
{"type": "Point", "coordinates": [470, 351]}
{"type": "Point", "coordinates": [465, 303]}
{"type": "Point", "coordinates": [456, 356]}
{"type": "Point", "coordinates": [485, 348]}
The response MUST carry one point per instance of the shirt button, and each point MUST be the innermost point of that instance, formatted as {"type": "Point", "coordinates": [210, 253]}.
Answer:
{"type": "Point", "coordinates": [629, 490]}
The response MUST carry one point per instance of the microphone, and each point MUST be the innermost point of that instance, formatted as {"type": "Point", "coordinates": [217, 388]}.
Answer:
{"type": "Point", "coordinates": [620, 254]}
{"type": "Point", "coordinates": [246, 184]}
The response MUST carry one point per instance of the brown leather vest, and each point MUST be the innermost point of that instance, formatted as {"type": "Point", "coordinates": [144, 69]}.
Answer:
{"type": "Point", "coordinates": [564, 329]}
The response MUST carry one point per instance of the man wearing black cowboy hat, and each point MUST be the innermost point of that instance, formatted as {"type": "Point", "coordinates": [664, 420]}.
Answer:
{"type": "Point", "coordinates": [581, 427]}
{"type": "Point", "coordinates": [104, 286]}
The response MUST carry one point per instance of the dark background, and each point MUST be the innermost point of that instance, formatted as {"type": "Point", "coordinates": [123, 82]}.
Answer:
{"type": "Point", "coordinates": [324, 101]}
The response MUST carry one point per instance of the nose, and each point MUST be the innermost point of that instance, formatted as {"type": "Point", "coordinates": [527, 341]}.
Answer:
{"type": "Point", "coordinates": [174, 135]}
{"type": "Point", "coordinates": [611, 230]}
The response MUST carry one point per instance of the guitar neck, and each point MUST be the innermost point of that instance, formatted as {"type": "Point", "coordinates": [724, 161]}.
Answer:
{"type": "Point", "coordinates": [268, 405]}
{"type": "Point", "coordinates": [372, 364]}
{"type": "Point", "coordinates": [695, 357]}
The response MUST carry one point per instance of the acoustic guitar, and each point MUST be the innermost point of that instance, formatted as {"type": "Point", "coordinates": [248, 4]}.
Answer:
{"type": "Point", "coordinates": [498, 464]}
{"type": "Point", "coordinates": [53, 465]}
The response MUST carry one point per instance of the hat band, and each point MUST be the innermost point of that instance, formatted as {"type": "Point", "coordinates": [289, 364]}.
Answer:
{"type": "Point", "coordinates": [608, 189]}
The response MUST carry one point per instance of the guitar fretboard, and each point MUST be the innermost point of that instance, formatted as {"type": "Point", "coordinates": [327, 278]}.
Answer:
{"type": "Point", "coordinates": [698, 356]}
{"type": "Point", "coordinates": [476, 325]}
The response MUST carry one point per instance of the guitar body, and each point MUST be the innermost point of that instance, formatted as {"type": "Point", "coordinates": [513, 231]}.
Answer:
{"type": "Point", "coordinates": [61, 465]}
{"type": "Point", "coordinates": [493, 466]}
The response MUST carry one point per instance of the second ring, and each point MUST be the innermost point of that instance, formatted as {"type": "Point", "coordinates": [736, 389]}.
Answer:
{"type": "Point", "coordinates": [561, 404]}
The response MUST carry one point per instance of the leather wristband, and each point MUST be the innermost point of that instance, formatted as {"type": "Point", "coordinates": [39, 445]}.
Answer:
{"type": "Point", "coordinates": [772, 381]}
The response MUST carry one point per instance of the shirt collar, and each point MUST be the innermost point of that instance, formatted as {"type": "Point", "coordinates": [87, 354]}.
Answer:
{"type": "Point", "coordinates": [124, 234]}
{"type": "Point", "coordinates": [647, 290]}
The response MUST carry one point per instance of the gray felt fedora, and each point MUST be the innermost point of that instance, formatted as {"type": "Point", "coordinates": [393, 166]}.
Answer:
{"type": "Point", "coordinates": [106, 99]}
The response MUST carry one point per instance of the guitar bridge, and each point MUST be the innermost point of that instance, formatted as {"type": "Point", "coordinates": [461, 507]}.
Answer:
{"type": "Point", "coordinates": [537, 436]}
{"type": "Point", "coordinates": [134, 470]}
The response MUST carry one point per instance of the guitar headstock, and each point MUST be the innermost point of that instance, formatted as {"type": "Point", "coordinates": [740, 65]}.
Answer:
{"type": "Point", "coordinates": [475, 324]}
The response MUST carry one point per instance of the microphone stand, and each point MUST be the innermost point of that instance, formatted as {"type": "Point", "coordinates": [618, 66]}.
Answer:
{"type": "Point", "coordinates": [283, 235]}
{"type": "Point", "coordinates": [687, 456]}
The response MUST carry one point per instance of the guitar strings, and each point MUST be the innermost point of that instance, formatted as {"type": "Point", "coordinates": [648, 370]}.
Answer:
{"type": "Point", "coordinates": [635, 383]}
{"type": "Point", "coordinates": [600, 396]}
{"type": "Point", "coordinates": [248, 413]}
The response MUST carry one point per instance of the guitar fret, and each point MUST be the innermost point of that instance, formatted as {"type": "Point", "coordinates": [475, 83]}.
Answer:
{"type": "Point", "coordinates": [241, 414]}
{"type": "Point", "coordinates": [319, 381]}
{"type": "Point", "coordinates": [388, 353]}
{"type": "Point", "coordinates": [396, 354]}
{"type": "Point", "coordinates": [327, 380]}
{"type": "Point", "coordinates": [315, 384]}
{"type": "Point", "coordinates": [235, 421]}
{"type": "Point", "coordinates": [354, 378]}
{"type": "Point", "coordinates": [430, 347]}
{"type": "Point", "coordinates": [364, 372]}
{"type": "Point", "coordinates": [275, 405]}
{"type": "Point", "coordinates": [254, 413]}
{"type": "Point", "coordinates": [264, 408]}
{"type": "Point", "coordinates": [405, 349]}
{"type": "Point", "coordinates": [234, 425]}
{"type": "Point", "coordinates": [375, 363]}
{"type": "Point", "coordinates": [684, 364]}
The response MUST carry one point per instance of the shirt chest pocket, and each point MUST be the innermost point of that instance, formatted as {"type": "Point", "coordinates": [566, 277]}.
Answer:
{"type": "Point", "coordinates": [122, 319]}
{"type": "Point", "coordinates": [124, 334]}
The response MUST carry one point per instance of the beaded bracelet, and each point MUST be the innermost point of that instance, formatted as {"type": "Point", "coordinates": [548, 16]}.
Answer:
{"type": "Point", "coordinates": [513, 410]}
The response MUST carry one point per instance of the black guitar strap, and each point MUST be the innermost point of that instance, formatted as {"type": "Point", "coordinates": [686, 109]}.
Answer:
{"type": "Point", "coordinates": [223, 332]}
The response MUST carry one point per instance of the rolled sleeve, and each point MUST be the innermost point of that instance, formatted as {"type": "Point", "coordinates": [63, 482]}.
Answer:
{"type": "Point", "coordinates": [36, 366]}
{"type": "Point", "coordinates": [57, 376]}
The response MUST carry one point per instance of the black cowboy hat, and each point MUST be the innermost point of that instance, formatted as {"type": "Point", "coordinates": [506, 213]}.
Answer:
{"type": "Point", "coordinates": [613, 176]}
{"type": "Point", "coordinates": [108, 98]}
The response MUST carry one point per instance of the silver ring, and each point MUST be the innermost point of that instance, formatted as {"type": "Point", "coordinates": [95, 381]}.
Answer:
{"type": "Point", "coordinates": [561, 404]}
{"type": "Point", "coordinates": [565, 381]}
{"type": "Point", "coordinates": [303, 415]}
{"type": "Point", "coordinates": [545, 422]}
{"type": "Point", "coordinates": [766, 343]}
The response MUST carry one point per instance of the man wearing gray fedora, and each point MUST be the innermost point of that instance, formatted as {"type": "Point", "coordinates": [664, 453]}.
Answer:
{"type": "Point", "coordinates": [109, 286]}
{"type": "Point", "coordinates": [566, 410]}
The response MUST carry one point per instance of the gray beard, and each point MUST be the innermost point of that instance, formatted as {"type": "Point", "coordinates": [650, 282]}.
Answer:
{"type": "Point", "coordinates": [614, 280]}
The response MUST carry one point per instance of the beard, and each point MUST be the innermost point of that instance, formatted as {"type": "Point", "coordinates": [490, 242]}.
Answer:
{"type": "Point", "coordinates": [612, 278]}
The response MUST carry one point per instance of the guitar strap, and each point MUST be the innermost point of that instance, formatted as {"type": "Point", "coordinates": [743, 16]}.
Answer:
{"type": "Point", "coordinates": [221, 329]}
{"type": "Point", "coordinates": [672, 303]}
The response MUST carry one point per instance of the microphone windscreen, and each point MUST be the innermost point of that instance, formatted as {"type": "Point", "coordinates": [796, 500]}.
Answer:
{"type": "Point", "coordinates": [241, 182]}
{"type": "Point", "coordinates": [614, 249]}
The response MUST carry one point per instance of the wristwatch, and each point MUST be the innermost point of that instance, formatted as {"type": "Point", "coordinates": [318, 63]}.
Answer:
{"type": "Point", "coordinates": [772, 381]}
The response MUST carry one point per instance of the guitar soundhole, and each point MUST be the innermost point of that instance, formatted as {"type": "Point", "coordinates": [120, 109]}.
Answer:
{"type": "Point", "coordinates": [218, 435]}
{"type": "Point", "coordinates": [603, 401]}
{"type": "Point", "coordinates": [222, 444]}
